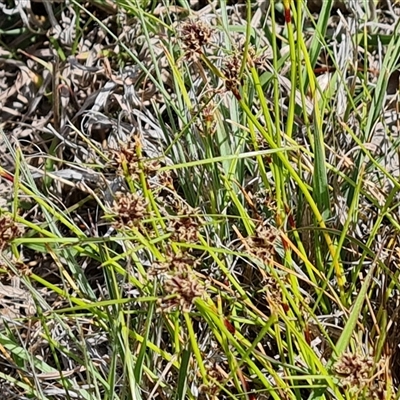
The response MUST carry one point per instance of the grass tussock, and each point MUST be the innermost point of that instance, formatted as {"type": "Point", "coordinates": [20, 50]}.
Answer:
{"type": "Point", "coordinates": [199, 200]}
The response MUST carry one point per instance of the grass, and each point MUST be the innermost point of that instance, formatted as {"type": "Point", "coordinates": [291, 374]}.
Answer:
{"type": "Point", "coordinates": [242, 243]}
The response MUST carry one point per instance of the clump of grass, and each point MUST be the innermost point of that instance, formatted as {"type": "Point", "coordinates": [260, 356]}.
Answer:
{"type": "Point", "coordinates": [220, 268]}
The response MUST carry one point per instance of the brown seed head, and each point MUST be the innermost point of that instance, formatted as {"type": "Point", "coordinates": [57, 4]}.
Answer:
{"type": "Point", "coordinates": [184, 228]}
{"type": "Point", "coordinates": [180, 283]}
{"type": "Point", "coordinates": [9, 230]}
{"type": "Point", "coordinates": [262, 242]}
{"type": "Point", "coordinates": [174, 263]}
{"type": "Point", "coordinates": [128, 156]}
{"type": "Point", "coordinates": [195, 35]}
{"type": "Point", "coordinates": [354, 371]}
{"type": "Point", "coordinates": [232, 74]}
{"type": "Point", "coordinates": [206, 122]}
{"type": "Point", "coordinates": [258, 60]}
{"type": "Point", "coordinates": [185, 287]}
{"type": "Point", "coordinates": [19, 266]}
{"type": "Point", "coordinates": [130, 209]}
